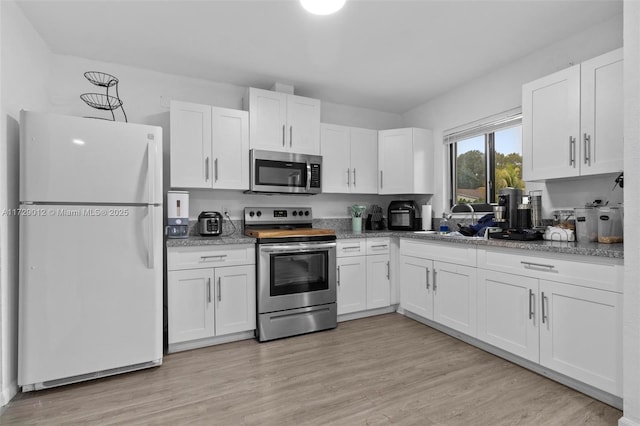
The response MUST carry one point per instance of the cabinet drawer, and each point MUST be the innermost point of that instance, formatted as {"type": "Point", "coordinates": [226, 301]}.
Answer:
{"type": "Point", "coordinates": [460, 254]}
{"type": "Point", "coordinates": [378, 246]}
{"type": "Point", "coordinates": [595, 272]}
{"type": "Point", "coordinates": [201, 257]}
{"type": "Point", "coordinates": [348, 248]}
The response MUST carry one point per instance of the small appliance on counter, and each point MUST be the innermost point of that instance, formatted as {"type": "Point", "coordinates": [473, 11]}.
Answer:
{"type": "Point", "coordinates": [402, 216]}
{"type": "Point", "coordinates": [509, 198]}
{"type": "Point", "coordinates": [177, 214]}
{"type": "Point", "coordinates": [210, 223]}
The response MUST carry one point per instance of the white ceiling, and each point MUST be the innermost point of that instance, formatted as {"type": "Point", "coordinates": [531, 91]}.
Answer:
{"type": "Point", "coordinates": [388, 55]}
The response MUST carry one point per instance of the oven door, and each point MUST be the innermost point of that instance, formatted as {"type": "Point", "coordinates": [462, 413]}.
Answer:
{"type": "Point", "coordinates": [296, 275]}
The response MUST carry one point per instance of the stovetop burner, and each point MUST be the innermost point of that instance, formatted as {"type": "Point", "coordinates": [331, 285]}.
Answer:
{"type": "Point", "coordinates": [293, 224]}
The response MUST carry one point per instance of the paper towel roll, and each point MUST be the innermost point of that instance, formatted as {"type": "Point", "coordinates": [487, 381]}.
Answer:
{"type": "Point", "coordinates": [426, 217]}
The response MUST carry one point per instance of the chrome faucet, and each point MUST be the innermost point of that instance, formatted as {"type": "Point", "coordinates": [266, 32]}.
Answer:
{"type": "Point", "coordinates": [469, 206]}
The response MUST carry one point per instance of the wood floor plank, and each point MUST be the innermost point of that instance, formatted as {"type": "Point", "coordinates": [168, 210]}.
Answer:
{"type": "Point", "coordinates": [376, 371]}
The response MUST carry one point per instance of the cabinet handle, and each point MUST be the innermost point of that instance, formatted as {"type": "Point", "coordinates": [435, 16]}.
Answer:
{"type": "Point", "coordinates": [283, 127]}
{"type": "Point", "coordinates": [381, 186]}
{"type": "Point", "coordinates": [354, 177]}
{"type": "Point", "coordinates": [348, 178]}
{"type": "Point", "coordinates": [427, 276]}
{"type": "Point", "coordinates": [351, 248]}
{"type": "Point", "coordinates": [540, 265]}
{"type": "Point", "coordinates": [219, 289]}
{"type": "Point", "coordinates": [213, 256]}
{"type": "Point", "coordinates": [388, 270]}
{"type": "Point", "coordinates": [338, 277]}
{"type": "Point", "coordinates": [435, 285]}
{"type": "Point", "coordinates": [209, 290]}
{"type": "Point", "coordinates": [531, 301]}
{"type": "Point", "coordinates": [572, 151]}
{"type": "Point", "coordinates": [379, 246]}
{"type": "Point", "coordinates": [544, 311]}
{"type": "Point", "coordinates": [215, 169]}
{"type": "Point", "coordinates": [206, 168]}
{"type": "Point", "coordinates": [587, 149]}
{"type": "Point", "coordinates": [290, 136]}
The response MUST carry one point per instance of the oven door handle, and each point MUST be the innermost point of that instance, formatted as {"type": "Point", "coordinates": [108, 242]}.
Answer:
{"type": "Point", "coordinates": [304, 247]}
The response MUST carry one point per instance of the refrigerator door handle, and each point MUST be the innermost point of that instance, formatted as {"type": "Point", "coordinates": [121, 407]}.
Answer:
{"type": "Point", "coordinates": [152, 241]}
{"type": "Point", "coordinates": [151, 172]}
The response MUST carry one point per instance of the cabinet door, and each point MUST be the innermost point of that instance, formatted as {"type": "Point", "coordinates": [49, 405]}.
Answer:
{"type": "Point", "coordinates": [190, 306]}
{"type": "Point", "coordinates": [581, 334]}
{"type": "Point", "coordinates": [352, 284]}
{"type": "Point", "coordinates": [230, 148]}
{"type": "Point", "coordinates": [454, 296]}
{"type": "Point", "coordinates": [395, 161]}
{"type": "Point", "coordinates": [602, 113]}
{"type": "Point", "coordinates": [334, 148]}
{"type": "Point", "coordinates": [551, 126]}
{"type": "Point", "coordinates": [267, 120]}
{"type": "Point", "coordinates": [190, 145]}
{"type": "Point", "coordinates": [508, 313]}
{"type": "Point", "coordinates": [378, 284]}
{"type": "Point", "coordinates": [364, 161]}
{"type": "Point", "coordinates": [303, 124]}
{"type": "Point", "coordinates": [416, 295]}
{"type": "Point", "coordinates": [235, 295]}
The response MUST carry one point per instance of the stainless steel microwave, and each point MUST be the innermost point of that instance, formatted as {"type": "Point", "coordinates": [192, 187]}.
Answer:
{"type": "Point", "coordinates": [285, 172]}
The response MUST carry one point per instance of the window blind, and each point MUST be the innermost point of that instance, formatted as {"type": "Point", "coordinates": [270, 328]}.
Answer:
{"type": "Point", "coordinates": [490, 124]}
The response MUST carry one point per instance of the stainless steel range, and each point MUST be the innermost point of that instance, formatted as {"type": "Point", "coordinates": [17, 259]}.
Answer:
{"type": "Point", "coordinates": [296, 272]}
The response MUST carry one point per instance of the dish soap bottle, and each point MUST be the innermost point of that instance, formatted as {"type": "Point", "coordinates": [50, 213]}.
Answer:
{"type": "Point", "coordinates": [444, 224]}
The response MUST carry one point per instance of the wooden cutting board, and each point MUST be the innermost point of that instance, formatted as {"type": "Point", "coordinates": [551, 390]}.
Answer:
{"type": "Point", "coordinates": [281, 233]}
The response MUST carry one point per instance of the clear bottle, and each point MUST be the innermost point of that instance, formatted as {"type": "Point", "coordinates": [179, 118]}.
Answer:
{"type": "Point", "coordinates": [444, 224]}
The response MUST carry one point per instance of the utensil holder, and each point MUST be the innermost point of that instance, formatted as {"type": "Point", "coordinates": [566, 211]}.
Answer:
{"type": "Point", "coordinates": [356, 225]}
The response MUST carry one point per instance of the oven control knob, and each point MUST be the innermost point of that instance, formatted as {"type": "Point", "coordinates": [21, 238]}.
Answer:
{"type": "Point", "coordinates": [251, 213]}
{"type": "Point", "coordinates": [295, 213]}
{"type": "Point", "coordinates": [259, 213]}
{"type": "Point", "coordinates": [300, 213]}
{"type": "Point", "coordinates": [306, 213]}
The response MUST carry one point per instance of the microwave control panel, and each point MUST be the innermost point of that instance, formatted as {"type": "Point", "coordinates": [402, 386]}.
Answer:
{"type": "Point", "coordinates": [315, 176]}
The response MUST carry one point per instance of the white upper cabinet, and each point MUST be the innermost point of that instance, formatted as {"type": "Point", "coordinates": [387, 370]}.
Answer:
{"type": "Point", "coordinates": [282, 122]}
{"type": "Point", "coordinates": [349, 159]}
{"type": "Point", "coordinates": [602, 114]}
{"type": "Point", "coordinates": [209, 147]}
{"type": "Point", "coordinates": [572, 120]}
{"type": "Point", "coordinates": [405, 159]}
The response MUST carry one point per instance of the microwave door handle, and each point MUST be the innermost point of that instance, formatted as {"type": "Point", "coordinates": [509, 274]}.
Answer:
{"type": "Point", "coordinates": [308, 176]}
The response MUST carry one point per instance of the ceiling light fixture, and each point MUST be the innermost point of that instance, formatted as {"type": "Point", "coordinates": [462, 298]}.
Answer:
{"type": "Point", "coordinates": [322, 7]}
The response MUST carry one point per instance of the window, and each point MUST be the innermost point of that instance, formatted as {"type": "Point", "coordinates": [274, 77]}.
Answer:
{"type": "Point", "coordinates": [484, 158]}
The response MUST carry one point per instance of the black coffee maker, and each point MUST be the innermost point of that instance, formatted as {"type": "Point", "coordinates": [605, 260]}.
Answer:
{"type": "Point", "coordinates": [510, 198]}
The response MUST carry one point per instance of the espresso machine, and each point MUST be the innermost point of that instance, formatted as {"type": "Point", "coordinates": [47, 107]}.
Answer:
{"type": "Point", "coordinates": [509, 198]}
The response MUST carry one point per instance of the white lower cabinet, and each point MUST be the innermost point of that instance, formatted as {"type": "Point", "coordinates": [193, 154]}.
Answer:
{"type": "Point", "coordinates": [416, 293]}
{"type": "Point", "coordinates": [572, 327]}
{"type": "Point", "coordinates": [207, 301]}
{"type": "Point", "coordinates": [352, 284]}
{"type": "Point", "coordinates": [440, 291]}
{"type": "Point", "coordinates": [363, 275]}
{"type": "Point", "coordinates": [581, 334]}
{"type": "Point", "coordinates": [508, 312]}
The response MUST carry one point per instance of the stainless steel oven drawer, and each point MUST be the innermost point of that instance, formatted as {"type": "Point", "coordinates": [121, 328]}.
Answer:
{"type": "Point", "coordinates": [275, 325]}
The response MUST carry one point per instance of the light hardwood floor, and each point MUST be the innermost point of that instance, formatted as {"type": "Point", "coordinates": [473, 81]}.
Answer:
{"type": "Point", "coordinates": [380, 370]}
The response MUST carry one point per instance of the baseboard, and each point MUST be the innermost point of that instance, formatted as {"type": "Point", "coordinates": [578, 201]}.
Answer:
{"type": "Point", "coordinates": [368, 313]}
{"type": "Point", "coordinates": [623, 421]}
{"type": "Point", "coordinates": [201, 343]}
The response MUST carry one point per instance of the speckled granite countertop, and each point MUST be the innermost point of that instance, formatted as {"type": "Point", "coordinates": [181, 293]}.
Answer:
{"type": "Point", "coordinates": [343, 231]}
{"type": "Point", "coordinates": [615, 251]}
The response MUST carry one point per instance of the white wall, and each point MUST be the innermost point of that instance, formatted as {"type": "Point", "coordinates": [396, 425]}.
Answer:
{"type": "Point", "coordinates": [631, 307]}
{"type": "Point", "coordinates": [501, 91]}
{"type": "Point", "coordinates": [24, 78]}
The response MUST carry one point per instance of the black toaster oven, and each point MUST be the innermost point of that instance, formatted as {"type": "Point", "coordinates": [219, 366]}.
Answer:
{"type": "Point", "coordinates": [402, 215]}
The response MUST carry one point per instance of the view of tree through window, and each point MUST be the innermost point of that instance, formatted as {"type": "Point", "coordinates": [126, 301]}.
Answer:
{"type": "Point", "coordinates": [492, 160]}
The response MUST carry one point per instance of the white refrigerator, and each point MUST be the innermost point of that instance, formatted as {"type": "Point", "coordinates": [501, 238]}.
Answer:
{"type": "Point", "coordinates": [90, 296]}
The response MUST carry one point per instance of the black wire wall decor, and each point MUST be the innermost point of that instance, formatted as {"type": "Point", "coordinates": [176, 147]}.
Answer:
{"type": "Point", "coordinates": [104, 101]}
